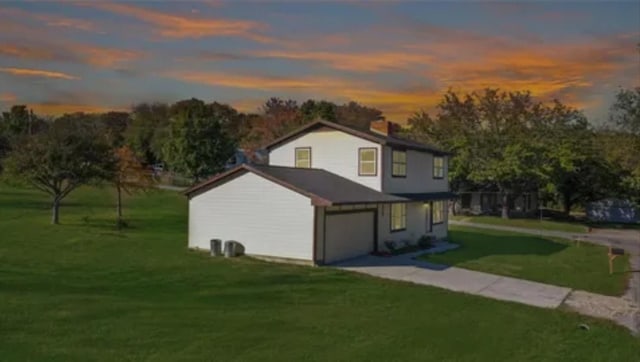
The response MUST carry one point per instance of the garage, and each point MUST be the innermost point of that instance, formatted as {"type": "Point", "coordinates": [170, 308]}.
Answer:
{"type": "Point", "coordinates": [348, 235]}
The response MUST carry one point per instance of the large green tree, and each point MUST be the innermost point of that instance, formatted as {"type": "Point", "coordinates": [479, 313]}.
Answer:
{"type": "Point", "coordinates": [489, 133]}
{"type": "Point", "coordinates": [73, 152]}
{"type": "Point", "coordinates": [197, 143]}
{"type": "Point", "coordinates": [625, 111]}
{"type": "Point", "coordinates": [146, 131]}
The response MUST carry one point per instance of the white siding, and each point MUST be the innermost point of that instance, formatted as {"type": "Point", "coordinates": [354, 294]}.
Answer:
{"type": "Point", "coordinates": [266, 218]}
{"type": "Point", "coordinates": [331, 150]}
{"type": "Point", "coordinates": [419, 174]}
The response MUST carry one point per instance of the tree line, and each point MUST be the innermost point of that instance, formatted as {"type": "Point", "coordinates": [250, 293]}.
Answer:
{"type": "Point", "coordinates": [190, 137]}
{"type": "Point", "coordinates": [508, 141]}
{"type": "Point", "coordinates": [511, 142]}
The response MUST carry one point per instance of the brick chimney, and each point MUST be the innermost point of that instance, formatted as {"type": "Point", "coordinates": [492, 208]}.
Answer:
{"type": "Point", "coordinates": [383, 127]}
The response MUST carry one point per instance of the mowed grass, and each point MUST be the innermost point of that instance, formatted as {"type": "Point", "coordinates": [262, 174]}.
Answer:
{"type": "Point", "coordinates": [84, 291]}
{"type": "Point", "coordinates": [572, 227]}
{"type": "Point", "coordinates": [542, 259]}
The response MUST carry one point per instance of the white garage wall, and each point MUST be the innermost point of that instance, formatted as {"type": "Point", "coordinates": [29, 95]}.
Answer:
{"type": "Point", "coordinates": [268, 219]}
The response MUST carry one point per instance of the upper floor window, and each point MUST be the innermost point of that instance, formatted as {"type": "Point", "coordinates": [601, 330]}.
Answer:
{"type": "Point", "coordinates": [438, 167]}
{"type": "Point", "coordinates": [438, 212]}
{"type": "Point", "coordinates": [303, 157]}
{"type": "Point", "coordinates": [398, 163]}
{"type": "Point", "coordinates": [398, 217]}
{"type": "Point", "coordinates": [367, 162]}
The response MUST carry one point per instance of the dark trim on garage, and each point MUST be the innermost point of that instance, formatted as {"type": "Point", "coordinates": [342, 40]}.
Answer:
{"type": "Point", "coordinates": [315, 233]}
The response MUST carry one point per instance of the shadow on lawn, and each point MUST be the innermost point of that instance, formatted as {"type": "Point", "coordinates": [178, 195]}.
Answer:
{"type": "Point", "coordinates": [473, 246]}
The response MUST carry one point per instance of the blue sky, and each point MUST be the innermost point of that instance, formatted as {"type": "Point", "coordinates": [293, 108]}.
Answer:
{"type": "Point", "coordinates": [397, 56]}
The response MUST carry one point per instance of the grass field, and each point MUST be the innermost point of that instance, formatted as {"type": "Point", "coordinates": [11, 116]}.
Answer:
{"type": "Point", "coordinates": [573, 227]}
{"type": "Point", "coordinates": [547, 260]}
{"type": "Point", "coordinates": [84, 291]}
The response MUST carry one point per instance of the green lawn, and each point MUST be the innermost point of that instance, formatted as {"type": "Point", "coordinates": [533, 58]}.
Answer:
{"type": "Point", "coordinates": [84, 291]}
{"type": "Point", "coordinates": [572, 227]}
{"type": "Point", "coordinates": [548, 260]}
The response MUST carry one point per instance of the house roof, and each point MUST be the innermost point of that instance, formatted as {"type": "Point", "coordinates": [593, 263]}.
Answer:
{"type": "Point", "coordinates": [365, 134]}
{"type": "Point", "coordinates": [322, 187]}
{"type": "Point", "coordinates": [429, 196]}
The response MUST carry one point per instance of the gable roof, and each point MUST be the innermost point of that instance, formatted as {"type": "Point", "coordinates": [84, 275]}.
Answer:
{"type": "Point", "coordinates": [364, 134]}
{"type": "Point", "coordinates": [322, 187]}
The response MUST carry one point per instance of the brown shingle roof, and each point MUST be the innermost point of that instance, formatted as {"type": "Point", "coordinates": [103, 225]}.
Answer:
{"type": "Point", "coordinates": [322, 187]}
{"type": "Point", "coordinates": [368, 135]}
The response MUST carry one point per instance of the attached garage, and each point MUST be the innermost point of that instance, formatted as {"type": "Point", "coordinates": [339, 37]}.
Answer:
{"type": "Point", "coordinates": [309, 215]}
{"type": "Point", "coordinates": [349, 234]}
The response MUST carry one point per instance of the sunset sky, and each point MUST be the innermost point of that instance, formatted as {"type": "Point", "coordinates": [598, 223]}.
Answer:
{"type": "Point", "coordinates": [397, 56]}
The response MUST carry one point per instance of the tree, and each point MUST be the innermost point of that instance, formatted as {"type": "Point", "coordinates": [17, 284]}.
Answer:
{"type": "Point", "coordinates": [115, 125]}
{"type": "Point", "coordinates": [278, 117]}
{"type": "Point", "coordinates": [625, 112]}
{"type": "Point", "coordinates": [16, 124]}
{"type": "Point", "coordinates": [58, 161]}
{"type": "Point", "coordinates": [489, 133]}
{"type": "Point", "coordinates": [313, 110]}
{"type": "Point", "coordinates": [357, 116]}
{"type": "Point", "coordinates": [130, 176]}
{"type": "Point", "coordinates": [146, 132]}
{"type": "Point", "coordinates": [197, 144]}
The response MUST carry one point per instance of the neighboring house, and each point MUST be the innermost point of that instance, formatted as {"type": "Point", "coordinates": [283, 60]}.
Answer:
{"type": "Point", "coordinates": [242, 156]}
{"type": "Point", "coordinates": [329, 193]}
{"type": "Point", "coordinates": [490, 202]}
{"type": "Point", "coordinates": [613, 210]}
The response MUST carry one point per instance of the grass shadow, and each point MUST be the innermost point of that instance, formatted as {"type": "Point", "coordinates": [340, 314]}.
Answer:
{"type": "Point", "coordinates": [476, 245]}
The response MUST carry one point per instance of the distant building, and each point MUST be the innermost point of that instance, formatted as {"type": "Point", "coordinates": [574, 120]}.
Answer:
{"type": "Point", "coordinates": [613, 210]}
{"type": "Point", "coordinates": [242, 156]}
{"type": "Point", "coordinates": [490, 202]}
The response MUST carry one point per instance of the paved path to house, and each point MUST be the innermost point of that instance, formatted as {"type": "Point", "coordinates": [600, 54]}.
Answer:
{"type": "Point", "coordinates": [407, 268]}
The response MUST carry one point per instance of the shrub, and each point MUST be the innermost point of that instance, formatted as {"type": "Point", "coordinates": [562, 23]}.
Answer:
{"type": "Point", "coordinates": [426, 241]}
{"type": "Point", "coordinates": [390, 244]}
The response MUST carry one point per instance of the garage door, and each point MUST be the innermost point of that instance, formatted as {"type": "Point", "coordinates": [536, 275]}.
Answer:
{"type": "Point", "coordinates": [348, 235]}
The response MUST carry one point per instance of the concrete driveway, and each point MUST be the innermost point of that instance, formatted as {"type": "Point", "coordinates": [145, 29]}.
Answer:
{"type": "Point", "coordinates": [406, 268]}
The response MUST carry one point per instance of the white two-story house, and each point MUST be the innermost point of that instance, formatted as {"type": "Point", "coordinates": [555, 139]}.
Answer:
{"type": "Point", "coordinates": [329, 193]}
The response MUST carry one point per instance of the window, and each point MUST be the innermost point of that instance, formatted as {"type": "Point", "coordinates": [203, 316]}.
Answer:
{"type": "Point", "coordinates": [438, 167]}
{"type": "Point", "coordinates": [398, 217]}
{"type": "Point", "coordinates": [399, 163]}
{"type": "Point", "coordinates": [303, 157]}
{"type": "Point", "coordinates": [367, 161]}
{"type": "Point", "coordinates": [438, 212]}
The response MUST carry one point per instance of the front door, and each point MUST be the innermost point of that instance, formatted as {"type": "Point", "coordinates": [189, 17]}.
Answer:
{"type": "Point", "coordinates": [427, 214]}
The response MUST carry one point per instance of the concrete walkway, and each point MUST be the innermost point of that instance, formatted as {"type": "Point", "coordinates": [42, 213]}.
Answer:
{"type": "Point", "coordinates": [407, 268]}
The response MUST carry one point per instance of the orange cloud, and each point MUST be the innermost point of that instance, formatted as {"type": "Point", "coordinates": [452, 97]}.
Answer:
{"type": "Point", "coordinates": [8, 98]}
{"type": "Point", "coordinates": [37, 73]}
{"type": "Point", "coordinates": [254, 81]}
{"type": "Point", "coordinates": [396, 103]}
{"type": "Point", "coordinates": [56, 109]}
{"type": "Point", "coordinates": [49, 19]}
{"type": "Point", "coordinates": [358, 62]}
{"type": "Point", "coordinates": [71, 52]}
{"type": "Point", "coordinates": [176, 26]}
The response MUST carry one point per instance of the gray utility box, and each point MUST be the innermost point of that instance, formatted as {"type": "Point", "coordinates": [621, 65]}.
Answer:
{"type": "Point", "coordinates": [229, 249]}
{"type": "Point", "coordinates": [216, 247]}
